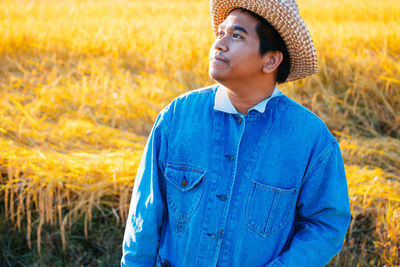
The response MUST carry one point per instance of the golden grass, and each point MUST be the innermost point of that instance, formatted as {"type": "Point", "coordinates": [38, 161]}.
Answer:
{"type": "Point", "coordinates": [81, 83]}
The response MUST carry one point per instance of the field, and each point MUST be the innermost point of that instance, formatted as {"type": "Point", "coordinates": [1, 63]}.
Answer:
{"type": "Point", "coordinates": [81, 83]}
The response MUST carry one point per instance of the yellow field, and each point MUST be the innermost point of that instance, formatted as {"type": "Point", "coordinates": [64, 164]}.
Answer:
{"type": "Point", "coordinates": [81, 83]}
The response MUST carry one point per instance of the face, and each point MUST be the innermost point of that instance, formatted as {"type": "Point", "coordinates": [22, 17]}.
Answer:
{"type": "Point", "coordinates": [235, 56]}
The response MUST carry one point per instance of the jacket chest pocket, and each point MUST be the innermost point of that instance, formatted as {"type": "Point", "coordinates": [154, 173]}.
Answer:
{"type": "Point", "coordinates": [184, 189]}
{"type": "Point", "coordinates": [269, 208]}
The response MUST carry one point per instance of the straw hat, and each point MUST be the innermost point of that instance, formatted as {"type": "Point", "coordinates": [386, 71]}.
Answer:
{"type": "Point", "coordinates": [284, 16]}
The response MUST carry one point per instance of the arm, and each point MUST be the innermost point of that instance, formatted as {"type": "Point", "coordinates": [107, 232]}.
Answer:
{"type": "Point", "coordinates": [322, 215]}
{"type": "Point", "coordinates": [147, 207]}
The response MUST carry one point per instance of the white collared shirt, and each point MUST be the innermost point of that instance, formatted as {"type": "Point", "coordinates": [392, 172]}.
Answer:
{"type": "Point", "coordinates": [223, 103]}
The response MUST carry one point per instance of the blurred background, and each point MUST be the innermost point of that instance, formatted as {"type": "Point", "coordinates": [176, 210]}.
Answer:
{"type": "Point", "coordinates": [81, 83]}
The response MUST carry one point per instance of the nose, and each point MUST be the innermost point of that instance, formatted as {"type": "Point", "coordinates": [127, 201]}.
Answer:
{"type": "Point", "coordinates": [220, 44]}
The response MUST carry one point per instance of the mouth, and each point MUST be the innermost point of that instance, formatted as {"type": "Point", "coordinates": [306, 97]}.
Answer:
{"type": "Point", "coordinates": [219, 59]}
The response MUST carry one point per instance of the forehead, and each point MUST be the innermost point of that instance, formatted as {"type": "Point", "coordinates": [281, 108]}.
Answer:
{"type": "Point", "coordinates": [238, 17]}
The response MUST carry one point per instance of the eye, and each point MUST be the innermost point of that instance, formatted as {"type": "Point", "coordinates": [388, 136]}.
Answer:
{"type": "Point", "coordinates": [237, 36]}
{"type": "Point", "coordinates": [220, 34]}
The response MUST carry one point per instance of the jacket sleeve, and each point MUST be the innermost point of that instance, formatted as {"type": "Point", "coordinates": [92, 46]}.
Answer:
{"type": "Point", "coordinates": [147, 207]}
{"type": "Point", "coordinates": [322, 215]}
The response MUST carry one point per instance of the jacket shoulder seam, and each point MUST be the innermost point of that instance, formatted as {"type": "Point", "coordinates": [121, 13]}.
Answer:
{"type": "Point", "coordinates": [320, 159]}
{"type": "Point", "coordinates": [164, 128]}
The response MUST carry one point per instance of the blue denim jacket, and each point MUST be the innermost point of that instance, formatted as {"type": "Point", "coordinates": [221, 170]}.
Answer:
{"type": "Point", "coordinates": [220, 189]}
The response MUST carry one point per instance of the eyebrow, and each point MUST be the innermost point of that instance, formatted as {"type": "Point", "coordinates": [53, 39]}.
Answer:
{"type": "Point", "coordinates": [235, 28]}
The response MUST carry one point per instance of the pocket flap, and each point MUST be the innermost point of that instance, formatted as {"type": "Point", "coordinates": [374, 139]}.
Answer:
{"type": "Point", "coordinates": [184, 177]}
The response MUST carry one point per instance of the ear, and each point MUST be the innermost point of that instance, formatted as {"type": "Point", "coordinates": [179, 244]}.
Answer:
{"type": "Point", "coordinates": [272, 61]}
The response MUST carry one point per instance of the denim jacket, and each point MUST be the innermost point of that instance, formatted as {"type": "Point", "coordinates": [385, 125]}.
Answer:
{"type": "Point", "coordinates": [220, 189]}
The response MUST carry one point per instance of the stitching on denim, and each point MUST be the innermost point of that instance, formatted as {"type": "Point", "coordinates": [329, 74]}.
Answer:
{"type": "Point", "coordinates": [285, 221]}
{"type": "Point", "coordinates": [184, 167]}
{"type": "Point", "coordinates": [172, 180]}
{"type": "Point", "coordinates": [181, 223]}
{"type": "Point", "coordinates": [319, 160]}
{"type": "Point", "coordinates": [183, 216]}
{"type": "Point", "coordinates": [164, 128]}
{"type": "Point", "coordinates": [246, 211]}
{"type": "Point", "coordinates": [272, 188]}
{"type": "Point", "coordinates": [280, 263]}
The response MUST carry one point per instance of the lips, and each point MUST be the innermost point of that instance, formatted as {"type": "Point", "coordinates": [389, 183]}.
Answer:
{"type": "Point", "coordinates": [220, 58]}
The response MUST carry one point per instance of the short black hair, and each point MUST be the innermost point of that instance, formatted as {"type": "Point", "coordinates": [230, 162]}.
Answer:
{"type": "Point", "coordinates": [271, 40]}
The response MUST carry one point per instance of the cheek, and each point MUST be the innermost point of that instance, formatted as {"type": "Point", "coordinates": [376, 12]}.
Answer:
{"type": "Point", "coordinates": [212, 49]}
{"type": "Point", "coordinates": [248, 57]}
{"type": "Point", "coordinates": [211, 52]}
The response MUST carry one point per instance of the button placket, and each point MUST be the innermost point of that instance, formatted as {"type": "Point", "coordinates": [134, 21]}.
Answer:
{"type": "Point", "coordinates": [222, 238]}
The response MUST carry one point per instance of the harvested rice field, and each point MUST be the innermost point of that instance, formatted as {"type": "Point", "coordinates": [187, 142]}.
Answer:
{"type": "Point", "coordinates": [82, 81]}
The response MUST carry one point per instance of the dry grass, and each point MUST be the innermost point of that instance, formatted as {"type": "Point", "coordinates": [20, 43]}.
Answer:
{"type": "Point", "coordinates": [82, 81]}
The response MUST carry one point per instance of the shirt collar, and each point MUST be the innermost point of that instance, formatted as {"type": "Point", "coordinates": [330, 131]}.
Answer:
{"type": "Point", "coordinates": [222, 102]}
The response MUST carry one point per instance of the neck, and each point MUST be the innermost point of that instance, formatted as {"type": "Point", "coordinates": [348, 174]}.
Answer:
{"type": "Point", "coordinates": [247, 96]}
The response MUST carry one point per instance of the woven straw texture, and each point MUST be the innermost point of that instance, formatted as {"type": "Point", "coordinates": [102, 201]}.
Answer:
{"type": "Point", "coordinates": [284, 16]}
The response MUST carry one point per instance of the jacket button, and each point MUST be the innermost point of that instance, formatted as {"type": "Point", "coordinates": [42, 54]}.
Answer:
{"type": "Point", "coordinates": [239, 120]}
{"type": "Point", "coordinates": [184, 182]}
{"type": "Point", "coordinates": [221, 233]}
{"type": "Point", "coordinates": [165, 263]}
{"type": "Point", "coordinates": [212, 235]}
{"type": "Point", "coordinates": [222, 197]}
{"type": "Point", "coordinates": [230, 157]}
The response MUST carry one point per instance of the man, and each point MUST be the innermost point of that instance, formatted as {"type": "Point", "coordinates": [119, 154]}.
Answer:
{"type": "Point", "coordinates": [238, 174]}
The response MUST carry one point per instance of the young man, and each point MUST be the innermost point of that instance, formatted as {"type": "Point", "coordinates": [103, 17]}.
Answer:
{"type": "Point", "coordinates": [238, 174]}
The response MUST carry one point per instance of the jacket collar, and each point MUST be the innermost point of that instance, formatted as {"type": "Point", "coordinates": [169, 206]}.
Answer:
{"type": "Point", "coordinates": [222, 102]}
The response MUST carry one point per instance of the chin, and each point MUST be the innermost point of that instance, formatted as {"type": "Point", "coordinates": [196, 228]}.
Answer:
{"type": "Point", "coordinates": [216, 75]}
